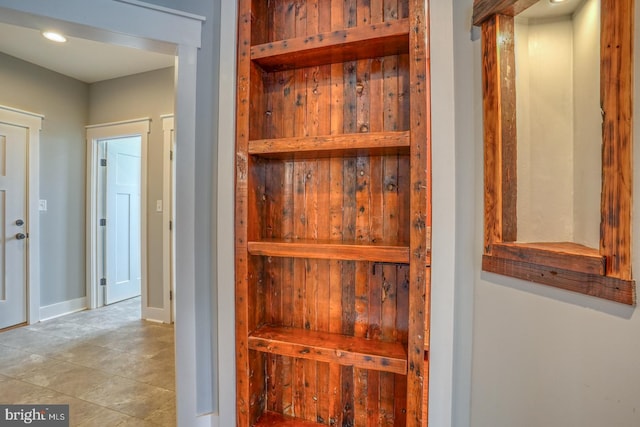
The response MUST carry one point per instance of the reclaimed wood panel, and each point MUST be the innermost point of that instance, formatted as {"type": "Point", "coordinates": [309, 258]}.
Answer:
{"type": "Point", "coordinates": [498, 94]}
{"type": "Point", "coordinates": [273, 419]}
{"type": "Point", "coordinates": [246, 413]}
{"type": "Point", "coordinates": [329, 161]}
{"type": "Point", "coordinates": [616, 71]}
{"type": "Point", "coordinates": [484, 9]}
{"type": "Point", "coordinates": [419, 117]}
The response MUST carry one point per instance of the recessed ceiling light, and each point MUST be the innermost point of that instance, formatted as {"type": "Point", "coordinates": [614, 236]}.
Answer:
{"type": "Point", "coordinates": [53, 36]}
{"type": "Point", "coordinates": [556, 1]}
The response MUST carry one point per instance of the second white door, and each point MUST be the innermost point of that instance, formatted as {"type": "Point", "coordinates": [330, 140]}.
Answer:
{"type": "Point", "coordinates": [13, 267]}
{"type": "Point", "coordinates": [123, 263]}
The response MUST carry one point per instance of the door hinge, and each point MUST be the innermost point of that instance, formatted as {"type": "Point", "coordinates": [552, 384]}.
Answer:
{"type": "Point", "coordinates": [103, 281]}
{"type": "Point", "coordinates": [103, 162]}
{"type": "Point", "coordinates": [103, 222]}
{"type": "Point", "coordinates": [171, 155]}
{"type": "Point", "coordinates": [170, 295]}
{"type": "Point", "coordinates": [170, 225]}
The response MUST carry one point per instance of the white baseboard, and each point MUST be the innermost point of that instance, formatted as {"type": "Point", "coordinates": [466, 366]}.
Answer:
{"type": "Point", "coordinates": [154, 314]}
{"type": "Point", "coordinates": [52, 311]}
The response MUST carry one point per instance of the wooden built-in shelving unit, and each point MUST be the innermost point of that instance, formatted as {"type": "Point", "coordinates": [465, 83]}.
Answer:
{"type": "Point", "coordinates": [333, 213]}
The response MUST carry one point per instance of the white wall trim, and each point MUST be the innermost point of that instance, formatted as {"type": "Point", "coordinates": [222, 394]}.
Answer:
{"type": "Point", "coordinates": [163, 9]}
{"type": "Point", "coordinates": [96, 133]}
{"type": "Point", "coordinates": [33, 122]}
{"type": "Point", "coordinates": [52, 311]}
{"type": "Point", "coordinates": [168, 264]}
{"type": "Point", "coordinates": [155, 314]}
{"type": "Point", "coordinates": [118, 124]}
{"type": "Point", "coordinates": [20, 113]}
{"type": "Point", "coordinates": [225, 277]}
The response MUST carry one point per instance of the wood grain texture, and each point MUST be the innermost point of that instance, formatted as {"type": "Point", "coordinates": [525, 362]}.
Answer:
{"type": "Point", "coordinates": [484, 9]}
{"type": "Point", "coordinates": [326, 347]}
{"type": "Point", "coordinates": [500, 155]}
{"type": "Point", "coordinates": [330, 250]}
{"type": "Point", "coordinates": [375, 143]}
{"type": "Point", "coordinates": [243, 392]}
{"type": "Point", "coordinates": [562, 255]}
{"type": "Point", "coordinates": [616, 77]}
{"type": "Point", "coordinates": [419, 118]}
{"type": "Point", "coordinates": [609, 288]}
{"type": "Point", "coordinates": [389, 38]}
{"type": "Point", "coordinates": [272, 419]}
{"type": "Point", "coordinates": [325, 198]}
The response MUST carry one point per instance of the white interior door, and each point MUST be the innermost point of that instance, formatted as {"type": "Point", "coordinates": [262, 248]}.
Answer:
{"type": "Point", "coordinates": [123, 263]}
{"type": "Point", "coordinates": [13, 204]}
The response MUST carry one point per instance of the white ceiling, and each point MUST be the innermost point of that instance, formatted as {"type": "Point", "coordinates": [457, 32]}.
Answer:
{"type": "Point", "coordinates": [546, 9]}
{"type": "Point", "coordinates": [81, 59]}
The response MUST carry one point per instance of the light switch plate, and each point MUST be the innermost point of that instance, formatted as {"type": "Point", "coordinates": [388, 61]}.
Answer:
{"type": "Point", "coordinates": [42, 205]}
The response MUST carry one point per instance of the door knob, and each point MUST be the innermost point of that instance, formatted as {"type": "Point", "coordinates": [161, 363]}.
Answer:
{"type": "Point", "coordinates": [19, 223]}
{"type": "Point", "coordinates": [21, 236]}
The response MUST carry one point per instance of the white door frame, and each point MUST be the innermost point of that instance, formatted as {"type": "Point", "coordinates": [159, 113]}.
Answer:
{"type": "Point", "coordinates": [96, 133]}
{"type": "Point", "coordinates": [168, 197]}
{"type": "Point", "coordinates": [33, 123]}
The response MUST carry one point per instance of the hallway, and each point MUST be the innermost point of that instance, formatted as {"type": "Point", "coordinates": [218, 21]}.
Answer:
{"type": "Point", "coordinates": [111, 367]}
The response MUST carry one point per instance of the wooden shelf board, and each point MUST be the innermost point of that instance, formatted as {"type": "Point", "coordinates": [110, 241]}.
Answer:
{"type": "Point", "coordinates": [269, 419]}
{"type": "Point", "coordinates": [331, 348]}
{"type": "Point", "coordinates": [377, 40]}
{"type": "Point", "coordinates": [325, 249]}
{"type": "Point", "coordinates": [345, 144]}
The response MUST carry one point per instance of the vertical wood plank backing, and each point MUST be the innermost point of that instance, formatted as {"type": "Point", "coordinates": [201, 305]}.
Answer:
{"type": "Point", "coordinates": [404, 293]}
{"type": "Point", "coordinates": [348, 217]}
{"type": "Point", "coordinates": [362, 92]}
{"type": "Point", "coordinates": [498, 62]}
{"type": "Point", "coordinates": [617, 71]}
{"type": "Point", "coordinates": [418, 56]}
{"type": "Point", "coordinates": [259, 22]}
{"type": "Point", "coordinates": [335, 215]}
{"type": "Point", "coordinates": [320, 124]}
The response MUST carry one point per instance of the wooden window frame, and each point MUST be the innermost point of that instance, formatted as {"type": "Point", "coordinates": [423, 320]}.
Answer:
{"type": "Point", "coordinates": [604, 272]}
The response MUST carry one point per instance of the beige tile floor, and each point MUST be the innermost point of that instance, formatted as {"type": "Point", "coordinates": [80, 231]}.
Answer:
{"type": "Point", "coordinates": [112, 368]}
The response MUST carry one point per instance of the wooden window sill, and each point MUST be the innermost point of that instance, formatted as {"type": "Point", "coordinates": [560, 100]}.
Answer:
{"type": "Point", "coordinates": [563, 265]}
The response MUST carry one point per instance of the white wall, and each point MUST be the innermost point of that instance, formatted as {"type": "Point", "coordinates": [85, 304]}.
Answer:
{"type": "Point", "coordinates": [540, 356]}
{"type": "Point", "coordinates": [559, 126]}
{"type": "Point", "coordinates": [544, 105]}
{"type": "Point", "coordinates": [587, 128]}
